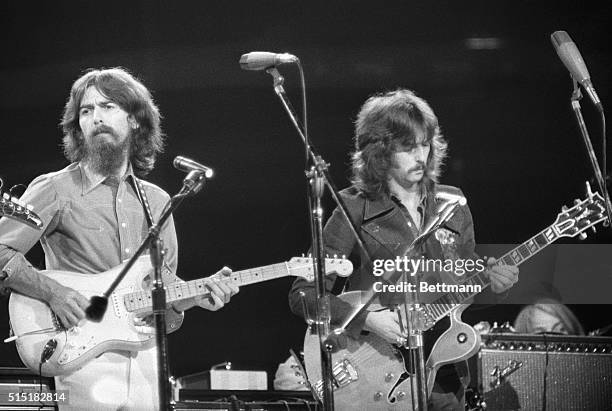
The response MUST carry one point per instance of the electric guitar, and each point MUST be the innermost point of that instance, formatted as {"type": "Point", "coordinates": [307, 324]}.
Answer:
{"type": "Point", "coordinates": [373, 373]}
{"type": "Point", "coordinates": [45, 346]}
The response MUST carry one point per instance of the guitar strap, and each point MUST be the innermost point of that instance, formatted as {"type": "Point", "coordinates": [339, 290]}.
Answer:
{"type": "Point", "coordinates": [169, 276]}
{"type": "Point", "coordinates": [142, 196]}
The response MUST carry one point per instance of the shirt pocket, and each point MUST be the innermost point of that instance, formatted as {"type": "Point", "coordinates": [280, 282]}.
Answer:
{"type": "Point", "coordinates": [89, 217]}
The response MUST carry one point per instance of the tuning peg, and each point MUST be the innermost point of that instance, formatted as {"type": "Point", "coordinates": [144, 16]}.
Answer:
{"type": "Point", "coordinates": [335, 256]}
{"type": "Point", "coordinates": [582, 236]}
{"type": "Point", "coordinates": [17, 201]}
{"type": "Point", "coordinates": [343, 257]}
{"type": "Point", "coordinates": [576, 201]}
{"type": "Point", "coordinates": [564, 208]}
{"type": "Point", "coordinates": [593, 229]}
{"type": "Point", "coordinates": [588, 190]}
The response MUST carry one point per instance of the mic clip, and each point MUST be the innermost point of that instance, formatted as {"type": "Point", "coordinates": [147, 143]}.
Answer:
{"type": "Point", "coordinates": [576, 94]}
{"type": "Point", "coordinates": [194, 181]}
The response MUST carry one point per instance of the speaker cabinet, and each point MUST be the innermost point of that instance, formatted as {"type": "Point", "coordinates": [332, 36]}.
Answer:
{"type": "Point", "coordinates": [24, 382]}
{"type": "Point", "coordinates": [536, 372]}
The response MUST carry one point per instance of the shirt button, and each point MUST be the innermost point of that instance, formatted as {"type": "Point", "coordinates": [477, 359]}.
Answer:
{"type": "Point", "coordinates": [127, 250]}
{"type": "Point", "coordinates": [119, 200]}
{"type": "Point", "coordinates": [123, 225]}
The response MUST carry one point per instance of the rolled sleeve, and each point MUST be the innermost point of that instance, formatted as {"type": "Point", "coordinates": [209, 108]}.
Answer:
{"type": "Point", "coordinates": [16, 238]}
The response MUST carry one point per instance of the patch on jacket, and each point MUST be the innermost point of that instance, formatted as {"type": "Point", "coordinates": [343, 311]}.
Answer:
{"type": "Point", "coordinates": [448, 243]}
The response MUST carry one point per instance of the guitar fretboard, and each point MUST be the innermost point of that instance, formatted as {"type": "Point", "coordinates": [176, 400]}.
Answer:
{"type": "Point", "coordinates": [441, 306]}
{"type": "Point", "coordinates": [141, 300]}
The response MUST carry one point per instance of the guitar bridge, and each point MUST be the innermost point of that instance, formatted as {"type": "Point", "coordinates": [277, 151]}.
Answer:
{"type": "Point", "coordinates": [343, 374]}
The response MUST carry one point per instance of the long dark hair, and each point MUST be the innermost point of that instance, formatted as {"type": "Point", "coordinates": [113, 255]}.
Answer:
{"type": "Point", "coordinates": [132, 96]}
{"type": "Point", "coordinates": [386, 122]}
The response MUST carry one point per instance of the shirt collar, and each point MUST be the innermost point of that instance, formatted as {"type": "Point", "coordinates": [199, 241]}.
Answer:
{"type": "Point", "coordinates": [383, 204]}
{"type": "Point", "coordinates": [422, 202]}
{"type": "Point", "coordinates": [90, 179]}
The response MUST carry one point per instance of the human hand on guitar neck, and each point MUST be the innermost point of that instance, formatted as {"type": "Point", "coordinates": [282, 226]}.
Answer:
{"type": "Point", "coordinates": [502, 276]}
{"type": "Point", "coordinates": [220, 293]}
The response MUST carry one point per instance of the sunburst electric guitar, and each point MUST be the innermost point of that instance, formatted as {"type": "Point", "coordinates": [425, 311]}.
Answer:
{"type": "Point", "coordinates": [373, 373]}
{"type": "Point", "coordinates": [45, 346]}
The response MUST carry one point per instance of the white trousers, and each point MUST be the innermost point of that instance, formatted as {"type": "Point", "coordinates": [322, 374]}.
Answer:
{"type": "Point", "coordinates": [114, 381]}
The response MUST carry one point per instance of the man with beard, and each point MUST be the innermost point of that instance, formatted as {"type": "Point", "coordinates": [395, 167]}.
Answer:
{"type": "Point", "coordinates": [95, 218]}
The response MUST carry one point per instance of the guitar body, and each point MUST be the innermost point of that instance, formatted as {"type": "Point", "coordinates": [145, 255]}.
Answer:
{"type": "Point", "coordinates": [458, 343]}
{"type": "Point", "coordinates": [118, 329]}
{"type": "Point", "coordinates": [368, 371]}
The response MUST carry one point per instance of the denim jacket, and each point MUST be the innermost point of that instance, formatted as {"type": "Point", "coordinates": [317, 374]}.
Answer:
{"type": "Point", "coordinates": [386, 234]}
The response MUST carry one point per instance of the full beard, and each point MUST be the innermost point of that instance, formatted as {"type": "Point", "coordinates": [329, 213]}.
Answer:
{"type": "Point", "coordinates": [105, 156]}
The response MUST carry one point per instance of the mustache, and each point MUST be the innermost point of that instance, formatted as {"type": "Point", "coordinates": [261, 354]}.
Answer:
{"type": "Point", "coordinates": [418, 167]}
{"type": "Point", "coordinates": [103, 129]}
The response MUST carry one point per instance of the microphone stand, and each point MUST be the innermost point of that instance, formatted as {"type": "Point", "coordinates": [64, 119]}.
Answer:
{"type": "Point", "coordinates": [318, 176]}
{"type": "Point", "coordinates": [192, 183]}
{"type": "Point", "coordinates": [576, 97]}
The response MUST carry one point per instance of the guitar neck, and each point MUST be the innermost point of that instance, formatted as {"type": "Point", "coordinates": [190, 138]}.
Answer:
{"type": "Point", "coordinates": [516, 256]}
{"type": "Point", "coordinates": [141, 300]}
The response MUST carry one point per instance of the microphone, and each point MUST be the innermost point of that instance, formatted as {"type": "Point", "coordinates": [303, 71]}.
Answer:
{"type": "Point", "coordinates": [97, 308]}
{"type": "Point", "coordinates": [261, 60]}
{"type": "Point", "coordinates": [187, 165]}
{"type": "Point", "coordinates": [572, 60]}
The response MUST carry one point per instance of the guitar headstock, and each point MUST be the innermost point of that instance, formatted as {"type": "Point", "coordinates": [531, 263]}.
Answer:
{"type": "Point", "coordinates": [12, 207]}
{"type": "Point", "coordinates": [583, 215]}
{"type": "Point", "coordinates": [303, 267]}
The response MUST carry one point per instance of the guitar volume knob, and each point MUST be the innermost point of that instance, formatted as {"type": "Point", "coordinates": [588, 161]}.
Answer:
{"type": "Point", "coordinates": [378, 396]}
{"type": "Point", "coordinates": [389, 377]}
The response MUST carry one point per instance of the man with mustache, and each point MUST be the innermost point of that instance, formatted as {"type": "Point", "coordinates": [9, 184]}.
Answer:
{"type": "Point", "coordinates": [95, 218]}
{"type": "Point", "coordinates": [398, 153]}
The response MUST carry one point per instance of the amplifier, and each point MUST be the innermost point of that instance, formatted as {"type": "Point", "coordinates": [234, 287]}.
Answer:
{"type": "Point", "coordinates": [293, 405]}
{"type": "Point", "coordinates": [248, 400]}
{"type": "Point", "coordinates": [24, 382]}
{"type": "Point", "coordinates": [545, 372]}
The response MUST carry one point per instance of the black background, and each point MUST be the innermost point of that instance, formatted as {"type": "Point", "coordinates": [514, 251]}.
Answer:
{"type": "Point", "coordinates": [515, 148]}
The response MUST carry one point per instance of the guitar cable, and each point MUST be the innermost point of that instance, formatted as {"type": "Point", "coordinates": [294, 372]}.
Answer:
{"type": "Point", "coordinates": [42, 404]}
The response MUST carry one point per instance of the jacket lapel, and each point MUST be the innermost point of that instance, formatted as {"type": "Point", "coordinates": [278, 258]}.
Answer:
{"type": "Point", "coordinates": [384, 222]}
